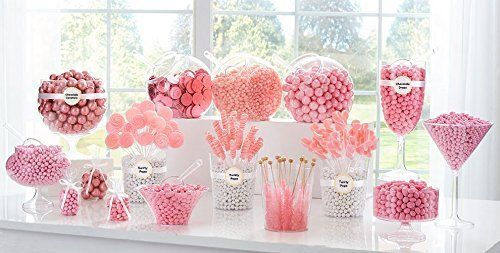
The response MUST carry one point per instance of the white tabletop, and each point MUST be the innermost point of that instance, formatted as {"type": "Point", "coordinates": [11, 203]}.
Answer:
{"type": "Point", "coordinates": [244, 230]}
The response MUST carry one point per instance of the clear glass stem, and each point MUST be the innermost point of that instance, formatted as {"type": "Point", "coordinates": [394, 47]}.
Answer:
{"type": "Point", "coordinates": [454, 195]}
{"type": "Point", "coordinates": [401, 161]}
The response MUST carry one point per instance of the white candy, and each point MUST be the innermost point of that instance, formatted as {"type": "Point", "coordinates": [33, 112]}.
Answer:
{"type": "Point", "coordinates": [131, 181]}
{"type": "Point", "coordinates": [349, 204]}
{"type": "Point", "coordinates": [233, 197]}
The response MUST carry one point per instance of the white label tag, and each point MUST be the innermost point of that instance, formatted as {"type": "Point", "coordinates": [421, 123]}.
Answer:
{"type": "Point", "coordinates": [72, 95]}
{"type": "Point", "coordinates": [343, 183]}
{"type": "Point", "coordinates": [234, 176]}
{"type": "Point", "coordinates": [142, 169]}
{"type": "Point", "coordinates": [402, 85]}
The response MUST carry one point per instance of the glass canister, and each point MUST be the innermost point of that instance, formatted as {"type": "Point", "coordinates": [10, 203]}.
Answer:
{"type": "Point", "coordinates": [246, 84]}
{"type": "Point", "coordinates": [182, 83]}
{"type": "Point", "coordinates": [139, 170]}
{"type": "Point", "coordinates": [233, 186]}
{"type": "Point", "coordinates": [287, 193]}
{"type": "Point", "coordinates": [315, 87]}
{"type": "Point", "coordinates": [343, 186]}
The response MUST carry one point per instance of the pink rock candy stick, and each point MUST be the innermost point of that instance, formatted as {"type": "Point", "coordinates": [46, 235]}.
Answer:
{"type": "Point", "coordinates": [457, 135]}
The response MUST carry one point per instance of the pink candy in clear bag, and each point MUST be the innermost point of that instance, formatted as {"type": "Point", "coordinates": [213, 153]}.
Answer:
{"type": "Point", "coordinates": [72, 102]}
{"type": "Point", "coordinates": [70, 197]}
{"type": "Point", "coordinates": [117, 202]}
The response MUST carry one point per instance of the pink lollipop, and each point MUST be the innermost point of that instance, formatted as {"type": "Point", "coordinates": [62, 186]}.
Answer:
{"type": "Point", "coordinates": [165, 112]}
{"type": "Point", "coordinates": [131, 113]}
{"type": "Point", "coordinates": [167, 130]}
{"type": "Point", "coordinates": [111, 129]}
{"type": "Point", "coordinates": [112, 141]}
{"type": "Point", "coordinates": [116, 120]}
{"type": "Point", "coordinates": [149, 116]}
{"type": "Point", "coordinates": [146, 105]}
{"type": "Point", "coordinates": [145, 138]}
{"type": "Point", "coordinates": [158, 124]}
{"type": "Point", "coordinates": [129, 128]}
{"type": "Point", "coordinates": [126, 140]}
{"type": "Point", "coordinates": [161, 140]}
{"type": "Point", "coordinates": [138, 121]}
{"type": "Point", "coordinates": [175, 139]}
{"type": "Point", "coordinates": [173, 125]}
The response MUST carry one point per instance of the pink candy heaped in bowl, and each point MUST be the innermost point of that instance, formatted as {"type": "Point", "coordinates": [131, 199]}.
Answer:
{"type": "Point", "coordinates": [72, 102]}
{"type": "Point", "coordinates": [246, 84]}
{"type": "Point", "coordinates": [405, 201]}
{"type": "Point", "coordinates": [172, 204]}
{"type": "Point", "coordinates": [457, 135]}
{"type": "Point", "coordinates": [37, 165]}
{"type": "Point", "coordinates": [316, 87]}
{"type": "Point", "coordinates": [182, 83]}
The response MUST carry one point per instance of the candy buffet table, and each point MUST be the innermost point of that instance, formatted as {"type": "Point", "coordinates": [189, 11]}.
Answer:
{"type": "Point", "coordinates": [219, 231]}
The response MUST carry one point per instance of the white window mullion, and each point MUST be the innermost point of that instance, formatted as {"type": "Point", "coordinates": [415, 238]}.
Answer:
{"type": "Point", "coordinates": [377, 100]}
{"type": "Point", "coordinates": [202, 29]}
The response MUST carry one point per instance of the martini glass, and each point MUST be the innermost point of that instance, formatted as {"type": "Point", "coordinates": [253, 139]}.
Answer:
{"type": "Point", "coordinates": [402, 90]}
{"type": "Point", "coordinates": [456, 142]}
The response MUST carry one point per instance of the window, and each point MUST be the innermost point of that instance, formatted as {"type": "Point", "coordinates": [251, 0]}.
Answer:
{"type": "Point", "coordinates": [119, 38]}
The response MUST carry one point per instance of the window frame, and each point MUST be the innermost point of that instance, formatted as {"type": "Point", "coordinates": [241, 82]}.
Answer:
{"type": "Point", "coordinates": [203, 13]}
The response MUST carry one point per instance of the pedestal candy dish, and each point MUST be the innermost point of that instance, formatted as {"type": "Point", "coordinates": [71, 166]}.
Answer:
{"type": "Point", "coordinates": [287, 193]}
{"type": "Point", "coordinates": [37, 166]}
{"type": "Point", "coordinates": [315, 87]}
{"type": "Point", "coordinates": [182, 83]}
{"type": "Point", "coordinates": [233, 166]}
{"type": "Point", "coordinates": [405, 202]}
{"type": "Point", "coordinates": [402, 87]}
{"type": "Point", "coordinates": [456, 135]}
{"type": "Point", "coordinates": [246, 84]}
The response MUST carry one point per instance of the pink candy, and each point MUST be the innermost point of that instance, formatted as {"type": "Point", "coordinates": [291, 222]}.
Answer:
{"type": "Point", "coordinates": [253, 90]}
{"type": "Point", "coordinates": [313, 95]}
{"type": "Point", "coordinates": [37, 165]}
{"type": "Point", "coordinates": [70, 202]}
{"type": "Point", "coordinates": [72, 119]}
{"type": "Point", "coordinates": [402, 111]}
{"type": "Point", "coordinates": [405, 201]}
{"type": "Point", "coordinates": [94, 184]}
{"type": "Point", "coordinates": [117, 210]}
{"type": "Point", "coordinates": [286, 210]}
{"type": "Point", "coordinates": [172, 204]}
{"type": "Point", "coordinates": [457, 135]}
{"type": "Point", "coordinates": [188, 95]}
